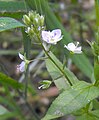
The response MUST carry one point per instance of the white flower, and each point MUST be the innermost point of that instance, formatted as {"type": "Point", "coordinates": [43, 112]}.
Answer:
{"type": "Point", "coordinates": [52, 37]}
{"type": "Point", "coordinates": [74, 48]}
{"type": "Point", "coordinates": [21, 67]}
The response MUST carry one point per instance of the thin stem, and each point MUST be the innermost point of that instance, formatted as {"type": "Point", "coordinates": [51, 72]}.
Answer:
{"type": "Point", "coordinates": [97, 20]}
{"type": "Point", "coordinates": [42, 58]}
{"type": "Point", "coordinates": [62, 71]}
{"type": "Point", "coordinates": [35, 116]}
{"type": "Point", "coordinates": [26, 82]}
{"type": "Point", "coordinates": [33, 113]}
{"type": "Point", "coordinates": [27, 46]}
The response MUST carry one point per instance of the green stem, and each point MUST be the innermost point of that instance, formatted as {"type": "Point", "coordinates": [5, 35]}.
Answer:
{"type": "Point", "coordinates": [97, 12]}
{"type": "Point", "coordinates": [97, 20]}
{"type": "Point", "coordinates": [42, 58]}
{"type": "Point", "coordinates": [56, 65]}
{"type": "Point", "coordinates": [62, 71]}
{"type": "Point", "coordinates": [26, 82]}
{"type": "Point", "coordinates": [96, 61]}
{"type": "Point", "coordinates": [33, 113]}
{"type": "Point", "coordinates": [27, 47]}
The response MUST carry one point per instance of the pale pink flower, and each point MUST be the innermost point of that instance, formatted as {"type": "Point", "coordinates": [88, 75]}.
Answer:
{"type": "Point", "coordinates": [21, 67]}
{"type": "Point", "coordinates": [52, 37]}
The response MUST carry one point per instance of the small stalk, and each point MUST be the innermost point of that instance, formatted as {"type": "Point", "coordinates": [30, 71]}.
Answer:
{"type": "Point", "coordinates": [42, 58]}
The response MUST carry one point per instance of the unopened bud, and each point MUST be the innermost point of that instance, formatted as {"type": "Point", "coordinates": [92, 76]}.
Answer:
{"type": "Point", "coordinates": [31, 15]}
{"type": "Point", "coordinates": [45, 84]}
{"type": "Point", "coordinates": [42, 20]}
{"type": "Point", "coordinates": [26, 20]}
{"type": "Point", "coordinates": [95, 48]}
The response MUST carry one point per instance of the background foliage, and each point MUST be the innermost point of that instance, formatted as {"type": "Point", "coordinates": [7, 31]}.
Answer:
{"type": "Point", "coordinates": [77, 22]}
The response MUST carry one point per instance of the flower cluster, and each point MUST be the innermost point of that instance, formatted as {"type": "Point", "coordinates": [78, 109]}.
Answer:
{"type": "Point", "coordinates": [35, 26]}
{"type": "Point", "coordinates": [34, 23]}
{"type": "Point", "coordinates": [55, 36]}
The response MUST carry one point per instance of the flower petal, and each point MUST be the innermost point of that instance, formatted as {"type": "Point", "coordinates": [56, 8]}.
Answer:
{"type": "Point", "coordinates": [27, 30]}
{"type": "Point", "coordinates": [22, 66]}
{"type": "Point", "coordinates": [21, 56]}
{"type": "Point", "coordinates": [40, 86]}
{"type": "Point", "coordinates": [46, 36]}
{"type": "Point", "coordinates": [57, 39]}
{"type": "Point", "coordinates": [65, 46]}
{"type": "Point", "coordinates": [71, 46]}
{"type": "Point", "coordinates": [78, 50]}
{"type": "Point", "coordinates": [56, 33]}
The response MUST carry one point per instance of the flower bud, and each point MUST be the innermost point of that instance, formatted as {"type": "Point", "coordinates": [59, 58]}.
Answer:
{"type": "Point", "coordinates": [34, 22]}
{"type": "Point", "coordinates": [45, 84]}
{"type": "Point", "coordinates": [42, 20]}
{"type": "Point", "coordinates": [26, 20]}
{"type": "Point", "coordinates": [31, 15]}
{"type": "Point", "coordinates": [95, 48]}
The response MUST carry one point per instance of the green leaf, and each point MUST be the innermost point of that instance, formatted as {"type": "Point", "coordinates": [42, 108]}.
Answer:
{"type": "Point", "coordinates": [10, 102]}
{"type": "Point", "coordinates": [7, 23]}
{"type": "Point", "coordinates": [58, 77]}
{"type": "Point", "coordinates": [12, 105]}
{"type": "Point", "coordinates": [96, 104]}
{"type": "Point", "coordinates": [15, 15]}
{"type": "Point", "coordinates": [71, 100]}
{"type": "Point", "coordinates": [9, 115]}
{"type": "Point", "coordinates": [12, 6]}
{"type": "Point", "coordinates": [14, 9]}
{"type": "Point", "coordinates": [9, 81]}
{"type": "Point", "coordinates": [93, 115]}
{"type": "Point", "coordinates": [7, 102]}
{"type": "Point", "coordinates": [52, 23]}
{"type": "Point", "coordinates": [3, 110]}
